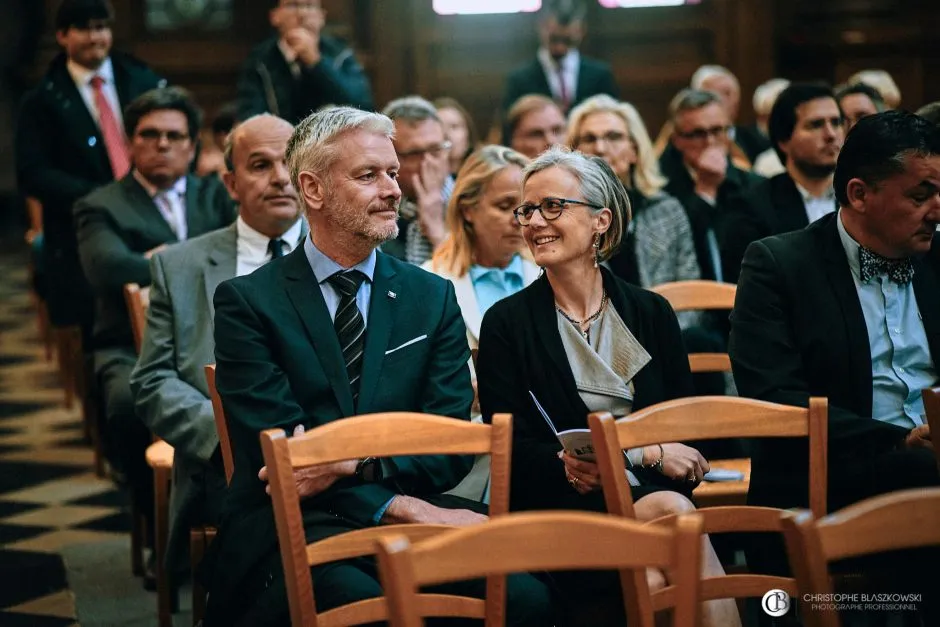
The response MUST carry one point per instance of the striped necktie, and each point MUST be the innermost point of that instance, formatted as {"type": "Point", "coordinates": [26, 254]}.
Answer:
{"type": "Point", "coordinates": [349, 325]}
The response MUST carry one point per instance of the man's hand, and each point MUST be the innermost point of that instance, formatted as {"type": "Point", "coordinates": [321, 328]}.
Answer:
{"type": "Point", "coordinates": [305, 44]}
{"type": "Point", "coordinates": [680, 462]}
{"type": "Point", "coordinates": [919, 437]}
{"type": "Point", "coordinates": [710, 169]}
{"type": "Point", "coordinates": [583, 476]}
{"type": "Point", "coordinates": [428, 185]}
{"type": "Point", "coordinates": [408, 509]}
{"type": "Point", "coordinates": [313, 480]}
{"type": "Point", "coordinates": [153, 251]}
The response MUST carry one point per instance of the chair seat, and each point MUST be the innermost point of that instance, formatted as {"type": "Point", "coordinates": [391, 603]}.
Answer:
{"type": "Point", "coordinates": [160, 455]}
{"type": "Point", "coordinates": [718, 493]}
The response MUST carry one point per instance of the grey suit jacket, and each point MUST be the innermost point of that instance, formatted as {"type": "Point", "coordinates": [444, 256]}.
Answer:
{"type": "Point", "coordinates": [169, 384]}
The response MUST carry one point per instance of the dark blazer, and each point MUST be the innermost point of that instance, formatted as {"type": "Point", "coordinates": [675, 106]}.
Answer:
{"type": "Point", "coordinates": [771, 207]}
{"type": "Point", "coordinates": [702, 215]}
{"type": "Point", "coordinates": [118, 223]}
{"type": "Point", "coordinates": [522, 351]}
{"type": "Point", "coordinates": [594, 77]}
{"type": "Point", "coordinates": [797, 330]}
{"type": "Point", "coordinates": [279, 364]}
{"type": "Point", "coordinates": [266, 84]}
{"type": "Point", "coordinates": [60, 157]}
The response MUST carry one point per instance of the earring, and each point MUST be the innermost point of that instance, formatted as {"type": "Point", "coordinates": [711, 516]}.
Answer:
{"type": "Point", "coordinates": [597, 246]}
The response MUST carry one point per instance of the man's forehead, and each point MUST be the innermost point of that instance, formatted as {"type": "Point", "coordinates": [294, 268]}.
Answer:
{"type": "Point", "coordinates": [921, 168]}
{"type": "Point", "coordinates": [406, 131]}
{"type": "Point", "coordinates": [711, 111]}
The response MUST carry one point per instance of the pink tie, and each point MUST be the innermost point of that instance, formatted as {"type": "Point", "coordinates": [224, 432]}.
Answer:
{"type": "Point", "coordinates": [114, 141]}
{"type": "Point", "coordinates": [564, 89]}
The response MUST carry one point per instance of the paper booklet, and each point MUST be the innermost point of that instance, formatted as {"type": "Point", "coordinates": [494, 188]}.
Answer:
{"type": "Point", "coordinates": [576, 442]}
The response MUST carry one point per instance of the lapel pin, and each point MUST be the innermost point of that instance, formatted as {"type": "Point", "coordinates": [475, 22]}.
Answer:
{"type": "Point", "coordinates": [392, 295]}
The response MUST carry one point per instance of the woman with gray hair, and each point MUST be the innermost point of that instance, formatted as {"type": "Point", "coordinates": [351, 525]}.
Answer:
{"type": "Point", "coordinates": [580, 340]}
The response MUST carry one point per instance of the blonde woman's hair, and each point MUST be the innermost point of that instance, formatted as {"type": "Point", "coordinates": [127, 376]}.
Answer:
{"type": "Point", "coordinates": [455, 254]}
{"type": "Point", "coordinates": [646, 176]}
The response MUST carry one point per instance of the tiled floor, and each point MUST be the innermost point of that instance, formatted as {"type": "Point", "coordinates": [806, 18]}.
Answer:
{"type": "Point", "coordinates": [49, 495]}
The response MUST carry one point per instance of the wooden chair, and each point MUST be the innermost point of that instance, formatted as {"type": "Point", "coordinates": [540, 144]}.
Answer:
{"type": "Point", "coordinates": [711, 417]}
{"type": "Point", "coordinates": [901, 520]}
{"type": "Point", "coordinates": [535, 542]}
{"type": "Point", "coordinates": [160, 459]}
{"type": "Point", "coordinates": [701, 295]}
{"type": "Point", "coordinates": [221, 425]}
{"type": "Point", "coordinates": [931, 398]}
{"type": "Point", "coordinates": [138, 300]}
{"type": "Point", "coordinates": [374, 435]}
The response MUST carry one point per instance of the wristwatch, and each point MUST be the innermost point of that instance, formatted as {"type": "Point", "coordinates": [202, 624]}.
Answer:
{"type": "Point", "coordinates": [369, 470]}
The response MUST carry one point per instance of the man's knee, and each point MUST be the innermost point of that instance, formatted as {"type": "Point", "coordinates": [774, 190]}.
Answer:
{"type": "Point", "coordinates": [340, 584]}
{"type": "Point", "coordinates": [528, 601]}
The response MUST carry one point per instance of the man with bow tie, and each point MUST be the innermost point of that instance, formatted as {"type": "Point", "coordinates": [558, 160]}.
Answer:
{"type": "Point", "coordinates": [849, 309]}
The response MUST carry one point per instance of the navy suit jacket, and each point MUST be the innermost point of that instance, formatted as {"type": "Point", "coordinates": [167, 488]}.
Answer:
{"type": "Point", "coordinates": [594, 77]}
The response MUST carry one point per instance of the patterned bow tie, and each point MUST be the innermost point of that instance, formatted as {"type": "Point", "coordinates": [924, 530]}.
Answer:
{"type": "Point", "coordinates": [871, 264]}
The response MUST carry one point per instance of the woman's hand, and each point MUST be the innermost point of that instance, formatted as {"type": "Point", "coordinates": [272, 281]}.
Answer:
{"type": "Point", "coordinates": [583, 476]}
{"type": "Point", "coordinates": [682, 463]}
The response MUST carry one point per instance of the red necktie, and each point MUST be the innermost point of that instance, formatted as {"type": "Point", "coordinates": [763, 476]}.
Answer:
{"type": "Point", "coordinates": [114, 141]}
{"type": "Point", "coordinates": [564, 89]}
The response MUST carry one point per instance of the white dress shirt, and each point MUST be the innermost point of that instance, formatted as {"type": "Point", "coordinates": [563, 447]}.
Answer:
{"type": "Point", "coordinates": [567, 69]}
{"type": "Point", "coordinates": [82, 77]}
{"type": "Point", "coordinates": [817, 206]}
{"type": "Point", "coordinates": [171, 202]}
{"type": "Point", "coordinates": [252, 248]}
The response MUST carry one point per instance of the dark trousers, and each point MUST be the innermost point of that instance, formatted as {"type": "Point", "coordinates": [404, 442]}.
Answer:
{"type": "Point", "coordinates": [528, 601]}
{"type": "Point", "coordinates": [126, 436]}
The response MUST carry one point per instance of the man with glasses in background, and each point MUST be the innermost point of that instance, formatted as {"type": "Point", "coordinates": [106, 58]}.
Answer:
{"type": "Point", "coordinates": [302, 69]}
{"type": "Point", "coordinates": [424, 178]}
{"type": "Point", "coordinates": [700, 172]}
{"type": "Point", "coordinates": [119, 227]}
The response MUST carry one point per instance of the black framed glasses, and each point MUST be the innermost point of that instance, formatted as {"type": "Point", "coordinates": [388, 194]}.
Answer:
{"type": "Point", "coordinates": [702, 134]}
{"type": "Point", "coordinates": [550, 209]}
{"type": "Point", "coordinates": [420, 152]}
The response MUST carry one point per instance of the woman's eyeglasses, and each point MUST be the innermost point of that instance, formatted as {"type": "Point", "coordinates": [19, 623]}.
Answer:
{"type": "Point", "coordinates": [550, 208]}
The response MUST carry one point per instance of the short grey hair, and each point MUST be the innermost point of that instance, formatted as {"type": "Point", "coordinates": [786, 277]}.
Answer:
{"type": "Point", "coordinates": [599, 186]}
{"type": "Point", "coordinates": [766, 95]}
{"type": "Point", "coordinates": [690, 99]}
{"type": "Point", "coordinates": [411, 109]}
{"type": "Point", "coordinates": [312, 146]}
{"type": "Point", "coordinates": [706, 72]}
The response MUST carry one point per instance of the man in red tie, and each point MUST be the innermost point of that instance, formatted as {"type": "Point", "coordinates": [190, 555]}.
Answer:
{"type": "Point", "coordinates": [559, 70]}
{"type": "Point", "coordinates": [70, 140]}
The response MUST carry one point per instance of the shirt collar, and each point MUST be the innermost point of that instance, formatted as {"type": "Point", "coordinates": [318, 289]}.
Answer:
{"type": "Point", "coordinates": [568, 63]}
{"type": "Point", "coordinates": [323, 267]}
{"type": "Point", "coordinates": [260, 241]}
{"type": "Point", "coordinates": [851, 247]}
{"type": "Point", "coordinates": [179, 187]}
{"type": "Point", "coordinates": [513, 269]}
{"type": "Point", "coordinates": [289, 55]}
{"type": "Point", "coordinates": [829, 194]}
{"type": "Point", "coordinates": [82, 75]}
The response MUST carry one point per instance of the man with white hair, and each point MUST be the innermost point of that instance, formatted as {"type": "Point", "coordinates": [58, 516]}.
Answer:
{"type": "Point", "coordinates": [719, 80]}
{"type": "Point", "coordinates": [331, 330]}
{"type": "Point", "coordinates": [767, 163]}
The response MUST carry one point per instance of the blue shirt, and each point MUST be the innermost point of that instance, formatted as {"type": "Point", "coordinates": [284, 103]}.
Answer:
{"type": "Point", "coordinates": [901, 365]}
{"type": "Point", "coordinates": [493, 284]}
{"type": "Point", "coordinates": [323, 268]}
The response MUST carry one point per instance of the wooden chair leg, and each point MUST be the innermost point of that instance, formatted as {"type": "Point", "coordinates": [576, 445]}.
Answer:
{"type": "Point", "coordinates": [165, 592]}
{"type": "Point", "coordinates": [198, 543]}
{"type": "Point", "coordinates": [64, 352]}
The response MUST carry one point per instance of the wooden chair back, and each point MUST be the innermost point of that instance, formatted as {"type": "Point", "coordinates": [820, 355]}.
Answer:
{"type": "Point", "coordinates": [931, 398]}
{"type": "Point", "coordinates": [706, 418]}
{"type": "Point", "coordinates": [221, 425]}
{"type": "Point", "coordinates": [865, 528]}
{"type": "Point", "coordinates": [373, 435]}
{"type": "Point", "coordinates": [535, 542]}
{"type": "Point", "coordinates": [701, 295]}
{"type": "Point", "coordinates": [138, 300]}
